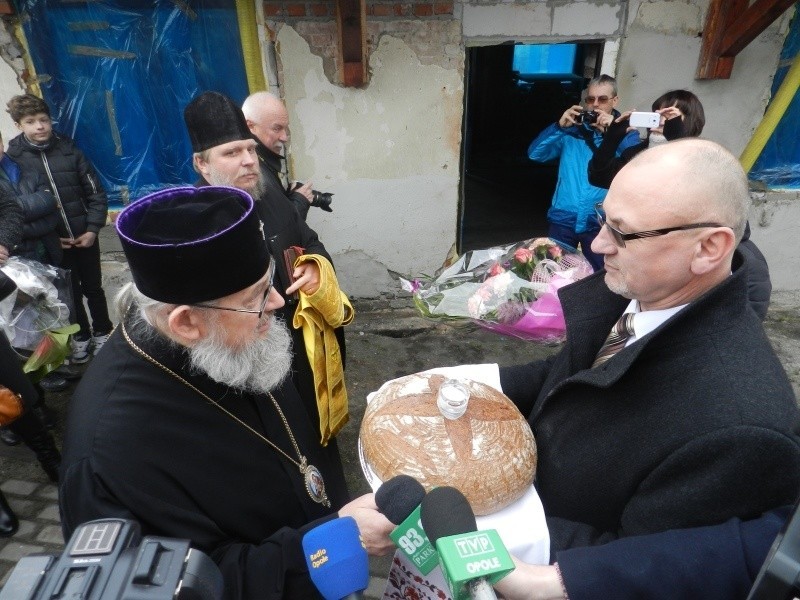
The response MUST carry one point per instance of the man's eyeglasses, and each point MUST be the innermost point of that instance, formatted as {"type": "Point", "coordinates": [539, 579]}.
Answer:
{"type": "Point", "coordinates": [600, 99]}
{"type": "Point", "coordinates": [620, 238]}
{"type": "Point", "coordinates": [260, 311]}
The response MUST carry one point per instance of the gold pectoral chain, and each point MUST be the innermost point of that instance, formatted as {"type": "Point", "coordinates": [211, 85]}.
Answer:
{"type": "Point", "coordinates": [315, 486]}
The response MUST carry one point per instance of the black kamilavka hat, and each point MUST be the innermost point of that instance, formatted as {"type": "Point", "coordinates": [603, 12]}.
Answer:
{"type": "Point", "coordinates": [213, 119]}
{"type": "Point", "coordinates": [187, 245]}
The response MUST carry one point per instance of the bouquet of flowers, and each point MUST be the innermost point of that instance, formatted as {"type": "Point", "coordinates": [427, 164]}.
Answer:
{"type": "Point", "coordinates": [508, 289]}
{"type": "Point", "coordinates": [35, 317]}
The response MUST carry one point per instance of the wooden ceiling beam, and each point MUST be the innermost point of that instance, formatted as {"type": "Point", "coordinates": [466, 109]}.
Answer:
{"type": "Point", "coordinates": [730, 26]}
{"type": "Point", "coordinates": [351, 19]}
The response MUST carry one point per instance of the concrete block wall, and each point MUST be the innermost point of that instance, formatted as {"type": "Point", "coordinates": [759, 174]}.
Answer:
{"type": "Point", "coordinates": [374, 8]}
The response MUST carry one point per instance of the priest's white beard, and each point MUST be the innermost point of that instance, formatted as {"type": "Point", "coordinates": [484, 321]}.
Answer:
{"type": "Point", "coordinates": [258, 367]}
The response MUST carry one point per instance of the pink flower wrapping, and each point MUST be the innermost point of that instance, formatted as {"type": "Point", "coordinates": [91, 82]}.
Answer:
{"type": "Point", "coordinates": [510, 289]}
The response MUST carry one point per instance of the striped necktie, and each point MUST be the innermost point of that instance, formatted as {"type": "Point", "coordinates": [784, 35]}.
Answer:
{"type": "Point", "coordinates": [620, 332]}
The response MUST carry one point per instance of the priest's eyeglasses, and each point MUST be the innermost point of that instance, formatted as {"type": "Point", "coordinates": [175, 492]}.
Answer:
{"type": "Point", "coordinates": [620, 238]}
{"type": "Point", "coordinates": [260, 311]}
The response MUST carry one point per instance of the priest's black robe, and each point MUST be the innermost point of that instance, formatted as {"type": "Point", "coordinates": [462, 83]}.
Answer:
{"type": "Point", "coordinates": [140, 444]}
{"type": "Point", "coordinates": [284, 227]}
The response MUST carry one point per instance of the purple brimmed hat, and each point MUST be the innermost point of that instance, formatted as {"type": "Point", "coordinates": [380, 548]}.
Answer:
{"type": "Point", "coordinates": [187, 245]}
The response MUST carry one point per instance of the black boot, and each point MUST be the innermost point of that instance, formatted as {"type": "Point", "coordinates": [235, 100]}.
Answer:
{"type": "Point", "coordinates": [8, 437]}
{"type": "Point", "coordinates": [45, 415]}
{"type": "Point", "coordinates": [46, 453]}
{"type": "Point", "coordinates": [31, 429]}
{"type": "Point", "coordinates": [8, 520]}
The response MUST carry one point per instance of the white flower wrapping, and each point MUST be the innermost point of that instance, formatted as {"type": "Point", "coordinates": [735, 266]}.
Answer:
{"type": "Point", "coordinates": [509, 289]}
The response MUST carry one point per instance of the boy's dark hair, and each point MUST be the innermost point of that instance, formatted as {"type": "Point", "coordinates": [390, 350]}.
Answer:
{"type": "Point", "coordinates": [26, 105]}
{"type": "Point", "coordinates": [694, 117]}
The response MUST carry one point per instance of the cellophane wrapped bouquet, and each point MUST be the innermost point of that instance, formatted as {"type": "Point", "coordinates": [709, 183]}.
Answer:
{"type": "Point", "coordinates": [509, 289]}
{"type": "Point", "coordinates": [36, 316]}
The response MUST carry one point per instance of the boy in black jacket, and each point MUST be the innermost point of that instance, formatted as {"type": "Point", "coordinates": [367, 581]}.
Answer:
{"type": "Point", "coordinates": [83, 209]}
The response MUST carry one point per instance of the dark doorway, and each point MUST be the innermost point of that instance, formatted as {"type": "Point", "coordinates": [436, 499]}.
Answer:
{"type": "Point", "coordinates": [513, 92]}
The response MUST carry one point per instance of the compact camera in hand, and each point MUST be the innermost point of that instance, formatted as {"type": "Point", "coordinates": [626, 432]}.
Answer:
{"type": "Point", "coordinates": [587, 116]}
{"type": "Point", "coordinates": [107, 559]}
{"type": "Point", "coordinates": [645, 119]}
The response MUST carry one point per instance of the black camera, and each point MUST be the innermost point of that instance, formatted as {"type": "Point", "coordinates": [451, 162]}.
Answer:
{"type": "Point", "coordinates": [587, 116]}
{"type": "Point", "coordinates": [108, 559]}
{"type": "Point", "coordinates": [322, 200]}
{"type": "Point", "coordinates": [319, 199]}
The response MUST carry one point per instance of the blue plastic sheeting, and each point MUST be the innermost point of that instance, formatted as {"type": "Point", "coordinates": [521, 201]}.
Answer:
{"type": "Point", "coordinates": [778, 166]}
{"type": "Point", "coordinates": [117, 76]}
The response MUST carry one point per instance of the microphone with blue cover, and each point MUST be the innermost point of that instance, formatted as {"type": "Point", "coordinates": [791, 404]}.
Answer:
{"type": "Point", "coordinates": [472, 561]}
{"type": "Point", "coordinates": [337, 560]}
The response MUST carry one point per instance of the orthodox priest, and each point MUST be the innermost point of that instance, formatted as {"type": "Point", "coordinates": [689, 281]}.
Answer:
{"type": "Point", "coordinates": [225, 154]}
{"type": "Point", "coordinates": [187, 421]}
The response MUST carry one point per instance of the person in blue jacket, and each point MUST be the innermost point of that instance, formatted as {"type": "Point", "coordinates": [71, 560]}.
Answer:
{"type": "Point", "coordinates": [573, 140]}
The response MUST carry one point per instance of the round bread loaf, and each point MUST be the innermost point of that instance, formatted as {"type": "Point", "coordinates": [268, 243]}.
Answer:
{"type": "Point", "coordinates": [488, 453]}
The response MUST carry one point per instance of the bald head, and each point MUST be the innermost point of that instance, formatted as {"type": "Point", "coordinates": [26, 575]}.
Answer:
{"type": "Point", "coordinates": [674, 215]}
{"type": "Point", "coordinates": [268, 120]}
{"type": "Point", "coordinates": [706, 182]}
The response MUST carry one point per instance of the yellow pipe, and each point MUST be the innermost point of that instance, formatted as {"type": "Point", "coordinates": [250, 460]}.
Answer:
{"type": "Point", "coordinates": [32, 83]}
{"type": "Point", "coordinates": [246, 16]}
{"type": "Point", "coordinates": [780, 102]}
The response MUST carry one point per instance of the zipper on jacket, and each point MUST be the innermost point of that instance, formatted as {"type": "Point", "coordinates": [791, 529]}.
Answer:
{"type": "Point", "coordinates": [56, 194]}
{"type": "Point", "coordinates": [91, 182]}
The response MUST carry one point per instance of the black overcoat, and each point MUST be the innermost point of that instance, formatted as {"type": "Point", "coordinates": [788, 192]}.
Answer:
{"type": "Point", "coordinates": [140, 444]}
{"type": "Point", "coordinates": [271, 170]}
{"type": "Point", "coordinates": [693, 424]}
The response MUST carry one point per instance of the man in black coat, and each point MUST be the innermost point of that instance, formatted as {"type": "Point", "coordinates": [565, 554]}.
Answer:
{"type": "Point", "coordinates": [224, 154]}
{"type": "Point", "coordinates": [692, 421]}
{"type": "Point", "coordinates": [268, 121]}
{"type": "Point", "coordinates": [187, 421]}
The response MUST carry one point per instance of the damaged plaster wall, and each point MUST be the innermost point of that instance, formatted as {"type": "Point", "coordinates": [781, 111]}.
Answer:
{"type": "Point", "coordinates": [390, 153]}
{"type": "Point", "coordinates": [660, 51]}
{"type": "Point", "coordinates": [11, 67]}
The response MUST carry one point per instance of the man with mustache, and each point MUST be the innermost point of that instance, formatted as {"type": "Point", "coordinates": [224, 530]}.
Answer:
{"type": "Point", "coordinates": [188, 422]}
{"type": "Point", "coordinates": [225, 154]}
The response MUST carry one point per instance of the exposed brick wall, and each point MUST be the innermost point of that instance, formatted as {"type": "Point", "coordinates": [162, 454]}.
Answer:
{"type": "Point", "coordinates": [289, 10]}
{"type": "Point", "coordinates": [429, 27]}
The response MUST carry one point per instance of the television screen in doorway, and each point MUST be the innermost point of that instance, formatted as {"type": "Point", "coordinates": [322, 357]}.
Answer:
{"type": "Point", "coordinates": [514, 91]}
{"type": "Point", "coordinates": [535, 60]}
